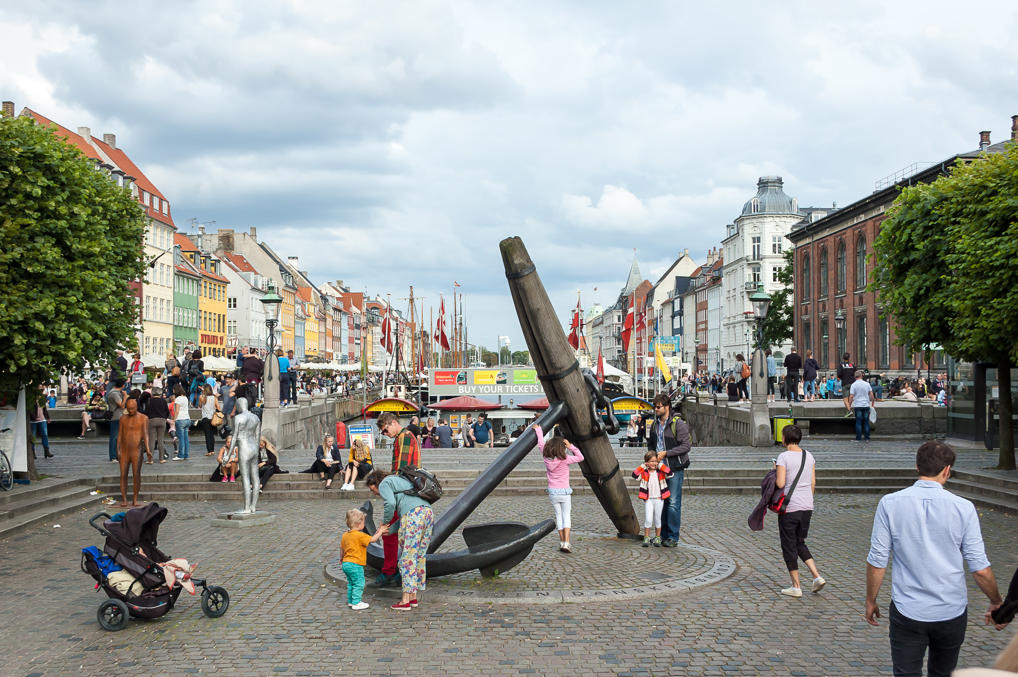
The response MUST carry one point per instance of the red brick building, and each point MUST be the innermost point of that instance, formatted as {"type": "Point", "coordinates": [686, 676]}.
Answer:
{"type": "Point", "coordinates": [831, 273]}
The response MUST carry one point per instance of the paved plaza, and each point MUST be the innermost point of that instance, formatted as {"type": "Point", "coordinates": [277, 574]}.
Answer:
{"type": "Point", "coordinates": [288, 617]}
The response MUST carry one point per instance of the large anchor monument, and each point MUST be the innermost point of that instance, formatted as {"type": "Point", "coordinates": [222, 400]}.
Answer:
{"type": "Point", "coordinates": [575, 400]}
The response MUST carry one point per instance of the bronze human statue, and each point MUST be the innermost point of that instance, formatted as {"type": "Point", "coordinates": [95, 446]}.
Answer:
{"type": "Point", "coordinates": [246, 435]}
{"type": "Point", "coordinates": [133, 433]}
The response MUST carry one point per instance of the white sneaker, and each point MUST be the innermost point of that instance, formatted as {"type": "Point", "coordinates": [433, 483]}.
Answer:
{"type": "Point", "coordinates": [819, 583]}
{"type": "Point", "coordinates": [792, 592]}
{"type": "Point", "coordinates": [176, 458]}
{"type": "Point", "coordinates": [566, 547]}
{"type": "Point", "coordinates": [360, 606]}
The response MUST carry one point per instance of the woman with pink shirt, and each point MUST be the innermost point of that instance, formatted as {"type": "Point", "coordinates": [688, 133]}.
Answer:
{"type": "Point", "coordinates": [557, 458]}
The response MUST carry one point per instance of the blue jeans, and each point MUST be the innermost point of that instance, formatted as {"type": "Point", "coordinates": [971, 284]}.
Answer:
{"type": "Point", "coordinates": [809, 387]}
{"type": "Point", "coordinates": [183, 442]}
{"type": "Point", "coordinates": [354, 582]}
{"type": "Point", "coordinates": [40, 430]}
{"type": "Point", "coordinates": [671, 520]}
{"type": "Point", "coordinates": [114, 430]}
{"type": "Point", "coordinates": [862, 422]}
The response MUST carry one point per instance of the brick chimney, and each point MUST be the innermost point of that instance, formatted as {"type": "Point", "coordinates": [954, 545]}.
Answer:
{"type": "Point", "coordinates": [1014, 127]}
{"type": "Point", "coordinates": [110, 140]}
{"type": "Point", "coordinates": [8, 109]}
{"type": "Point", "coordinates": [984, 140]}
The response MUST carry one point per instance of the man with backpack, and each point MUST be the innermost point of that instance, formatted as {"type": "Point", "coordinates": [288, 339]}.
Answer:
{"type": "Point", "coordinates": [846, 374]}
{"type": "Point", "coordinates": [793, 363]}
{"type": "Point", "coordinates": [406, 451]}
{"type": "Point", "coordinates": [668, 436]}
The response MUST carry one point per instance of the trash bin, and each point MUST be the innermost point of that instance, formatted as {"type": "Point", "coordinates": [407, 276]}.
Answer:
{"type": "Point", "coordinates": [779, 425]}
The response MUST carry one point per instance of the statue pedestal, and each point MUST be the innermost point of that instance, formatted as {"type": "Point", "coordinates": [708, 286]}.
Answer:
{"type": "Point", "coordinates": [761, 430]}
{"type": "Point", "coordinates": [239, 520]}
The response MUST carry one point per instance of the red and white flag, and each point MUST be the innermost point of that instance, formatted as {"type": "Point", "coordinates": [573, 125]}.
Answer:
{"type": "Point", "coordinates": [440, 336]}
{"type": "Point", "coordinates": [574, 328]}
{"type": "Point", "coordinates": [386, 339]}
{"type": "Point", "coordinates": [627, 330]}
{"type": "Point", "coordinates": [600, 367]}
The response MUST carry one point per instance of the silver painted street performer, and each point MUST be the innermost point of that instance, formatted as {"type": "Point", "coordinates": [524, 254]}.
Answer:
{"type": "Point", "coordinates": [246, 436]}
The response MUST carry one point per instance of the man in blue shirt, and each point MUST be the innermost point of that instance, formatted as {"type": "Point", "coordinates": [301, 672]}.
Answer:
{"type": "Point", "coordinates": [284, 378]}
{"type": "Point", "coordinates": [482, 431]}
{"type": "Point", "coordinates": [930, 531]}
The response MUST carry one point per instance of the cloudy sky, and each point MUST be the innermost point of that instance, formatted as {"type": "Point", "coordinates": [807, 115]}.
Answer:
{"type": "Point", "coordinates": [395, 143]}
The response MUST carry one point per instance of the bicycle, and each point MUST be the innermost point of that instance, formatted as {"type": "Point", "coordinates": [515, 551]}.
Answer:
{"type": "Point", "coordinates": [6, 470]}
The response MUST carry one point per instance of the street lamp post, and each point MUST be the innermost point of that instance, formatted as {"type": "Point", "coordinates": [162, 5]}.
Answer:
{"type": "Point", "coordinates": [761, 303]}
{"type": "Point", "coordinates": [270, 373]}
{"type": "Point", "coordinates": [839, 325]}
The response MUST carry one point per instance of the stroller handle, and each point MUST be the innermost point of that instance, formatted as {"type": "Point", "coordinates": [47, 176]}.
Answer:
{"type": "Point", "coordinates": [96, 526]}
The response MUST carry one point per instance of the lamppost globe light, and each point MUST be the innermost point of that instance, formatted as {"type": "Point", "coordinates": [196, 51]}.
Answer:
{"type": "Point", "coordinates": [761, 302]}
{"type": "Point", "coordinates": [272, 303]}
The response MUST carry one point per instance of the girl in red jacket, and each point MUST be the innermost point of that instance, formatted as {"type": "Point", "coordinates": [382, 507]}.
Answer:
{"type": "Point", "coordinates": [653, 476]}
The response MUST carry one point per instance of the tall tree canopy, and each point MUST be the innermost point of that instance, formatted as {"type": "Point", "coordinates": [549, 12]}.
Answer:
{"type": "Point", "coordinates": [945, 269]}
{"type": "Point", "coordinates": [777, 326]}
{"type": "Point", "coordinates": [70, 243]}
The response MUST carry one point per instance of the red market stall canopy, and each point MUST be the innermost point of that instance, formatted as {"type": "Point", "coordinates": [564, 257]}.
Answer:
{"type": "Point", "coordinates": [540, 404]}
{"type": "Point", "coordinates": [393, 404]}
{"type": "Point", "coordinates": [465, 403]}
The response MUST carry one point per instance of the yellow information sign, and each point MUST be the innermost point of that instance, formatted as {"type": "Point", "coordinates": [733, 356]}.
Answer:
{"type": "Point", "coordinates": [393, 404]}
{"type": "Point", "coordinates": [486, 377]}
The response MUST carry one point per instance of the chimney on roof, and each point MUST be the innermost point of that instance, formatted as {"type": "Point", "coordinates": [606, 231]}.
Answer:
{"type": "Point", "coordinates": [110, 140]}
{"type": "Point", "coordinates": [8, 109]}
{"type": "Point", "coordinates": [253, 232]}
{"type": "Point", "coordinates": [293, 261]}
{"type": "Point", "coordinates": [85, 133]}
{"type": "Point", "coordinates": [984, 140]}
{"type": "Point", "coordinates": [1014, 128]}
{"type": "Point", "coordinates": [201, 238]}
{"type": "Point", "coordinates": [226, 239]}
{"type": "Point", "coordinates": [339, 283]}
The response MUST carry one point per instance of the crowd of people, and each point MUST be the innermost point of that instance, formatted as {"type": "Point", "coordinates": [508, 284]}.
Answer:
{"type": "Point", "coordinates": [805, 381]}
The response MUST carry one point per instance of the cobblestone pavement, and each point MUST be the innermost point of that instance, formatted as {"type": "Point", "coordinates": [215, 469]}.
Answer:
{"type": "Point", "coordinates": [286, 618]}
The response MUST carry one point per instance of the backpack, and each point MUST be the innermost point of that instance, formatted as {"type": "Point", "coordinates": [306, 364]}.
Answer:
{"type": "Point", "coordinates": [745, 370]}
{"type": "Point", "coordinates": [425, 483]}
{"type": "Point", "coordinates": [193, 370]}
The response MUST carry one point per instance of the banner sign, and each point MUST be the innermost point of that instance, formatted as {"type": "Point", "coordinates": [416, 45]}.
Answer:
{"type": "Point", "coordinates": [362, 433]}
{"type": "Point", "coordinates": [666, 342]}
{"type": "Point", "coordinates": [504, 381]}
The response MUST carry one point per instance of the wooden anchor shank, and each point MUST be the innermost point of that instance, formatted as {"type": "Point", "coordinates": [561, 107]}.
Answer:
{"type": "Point", "coordinates": [562, 380]}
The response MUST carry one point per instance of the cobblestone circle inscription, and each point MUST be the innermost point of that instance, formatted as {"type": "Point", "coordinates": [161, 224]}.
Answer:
{"type": "Point", "coordinates": [601, 567]}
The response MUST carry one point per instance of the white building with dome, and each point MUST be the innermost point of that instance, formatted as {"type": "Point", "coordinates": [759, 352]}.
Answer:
{"type": "Point", "coordinates": [753, 251]}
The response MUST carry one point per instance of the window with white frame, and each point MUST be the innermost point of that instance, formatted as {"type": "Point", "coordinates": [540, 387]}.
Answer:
{"type": "Point", "coordinates": [776, 243]}
{"type": "Point", "coordinates": [756, 247]}
{"type": "Point", "coordinates": [231, 303]}
{"type": "Point", "coordinates": [754, 273]}
{"type": "Point", "coordinates": [775, 271]}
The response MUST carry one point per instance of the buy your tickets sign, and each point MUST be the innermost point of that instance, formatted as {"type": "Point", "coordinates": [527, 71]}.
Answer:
{"type": "Point", "coordinates": [504, 381]}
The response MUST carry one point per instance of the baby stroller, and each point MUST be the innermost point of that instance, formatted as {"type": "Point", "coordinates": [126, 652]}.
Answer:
{"type": "Point", "coordinates": [131, 547]}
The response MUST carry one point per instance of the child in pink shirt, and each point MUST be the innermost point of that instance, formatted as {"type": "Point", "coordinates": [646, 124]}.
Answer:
{"type": "Point", "coordinates": [557, 458]}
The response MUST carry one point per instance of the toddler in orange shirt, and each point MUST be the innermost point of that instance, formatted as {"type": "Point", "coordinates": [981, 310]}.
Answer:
{"type": "Point", "coordinates": [354, 548]}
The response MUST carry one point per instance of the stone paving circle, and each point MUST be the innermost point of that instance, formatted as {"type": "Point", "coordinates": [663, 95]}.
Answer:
{"type": "Point", "coordinates": [549, 576]}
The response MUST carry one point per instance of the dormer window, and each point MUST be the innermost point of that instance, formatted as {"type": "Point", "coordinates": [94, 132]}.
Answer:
{"type": "Point", "coordinates": [754, 205]}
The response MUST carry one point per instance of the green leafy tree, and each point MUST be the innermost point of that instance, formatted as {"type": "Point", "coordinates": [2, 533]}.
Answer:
{"type": "Point", "coordinates": [777, 326]}
{"type": "Point", "coordinates": [945, 269]}
{"type": "Point", "coordinates": [70, 244]}
{"type": "Point", "coordinates": [521, 358]}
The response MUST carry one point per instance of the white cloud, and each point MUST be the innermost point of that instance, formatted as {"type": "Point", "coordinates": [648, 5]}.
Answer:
{"type": "Point", "coordinates": [396, 144]}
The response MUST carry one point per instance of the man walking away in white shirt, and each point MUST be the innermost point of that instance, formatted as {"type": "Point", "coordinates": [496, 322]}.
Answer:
{"type": "Point", "coordinates": [930, 531]}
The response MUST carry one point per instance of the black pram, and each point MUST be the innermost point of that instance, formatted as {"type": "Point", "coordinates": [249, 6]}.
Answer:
{"type": "Point", "coordinates": [131, 544]}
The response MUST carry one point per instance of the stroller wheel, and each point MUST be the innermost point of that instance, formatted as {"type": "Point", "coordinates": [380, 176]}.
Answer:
{"type": "Point", "coordinates": [215, 601]}
{"type": "Point", "coordinates": [112, 615]}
